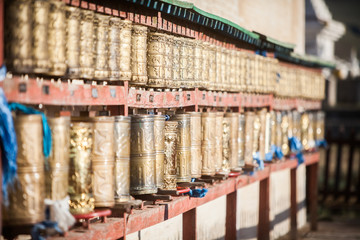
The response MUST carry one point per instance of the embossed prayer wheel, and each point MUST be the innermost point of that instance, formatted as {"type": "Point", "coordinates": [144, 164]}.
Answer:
{"type": "Point", "coordinates": [249, 136]}
{"type": "Point", "coordinates": [278, 118]}
{"type": "Point", "coordinates": [225, 167]}
{"type": "Point", "coordinates": [18, 44]}
{"type": "Point", "coordinates": [195, 148]}
{"type": "Point", "coordinates": [26, 197]}
{"type": "Point", "coordinates": [73, 41]}
{"type": "Point", "coordinates": [218, 141]}
{"type": "Point", "coordinates": [57, 38]}
{"type": "Point", "coordinates": [169, 46]}
{"type": "Point", "coordinates": [212, 67]}
{"type": "Point", "coordinates": [114, 48]}
{"type": "Point", "coordinates": [183, 148]}
{"type": "Point", "coordinates": [234, 133]}
{"type": "Point", "coordinates": [218, 68]}
{"type": "Point", "coordinates": [156, 59]}
{"type": "Point", "coordinates": [190, 53]}
{"type": "Point", "coordinates": [122, 158]}
{"type": "Point", "coordinates": [139, 55]}
{"type": "Point", "coordinates": [87, 33]}
{"type": "Point", "coordinates": [241, 140]}
{"type": "Point", "coordinates": [183, 63]}
{"type": "Point", "coordinates": [208, 123]}
{"type": "Point", "coordinates": [320, 126]}
{"type": "Point", "coordinates": [256, 134]}
{"type": "Point", "coordinates": [284, 134]}
{"type": "Point", "coordinates": [176, 62]}
{"type": "Point", "coordinates": [159, 134]}
{"type": "Point", "coordinates": [57, 177]}
{"type": "Point", "coordinates": [103, 161]}
{"type": "Point", "coordinates": [198, 64]}
{"type": "Point", "coordinates": [80, 167]}
{"type": "Point", "coordinates": [101, 28]}
{"type": "Point", "coordinates": [205, 64]}
{"type": "Point", "coordinates": [273, 127]}
{"type": "Point", "coordinates": [223, 69]}
{"type": "Point", "coordinates": [311, 131]}
{"type": "Point", "coordinates": [40, 27]}
{"type": "Point", "coordinates": [227, 73]}
{"type": "Point", "coordinates": [124, 53]}
{"type": "Point", "coordinates": [296, 124]}
{"type": "Point", "coordinates": [262, 133]}
{"type": "Point", "coordinates": [268, 132]}
{"type": "Point", "coordinates": [170, 155]}
{"type": "Point", "coordinates": [142, 155]}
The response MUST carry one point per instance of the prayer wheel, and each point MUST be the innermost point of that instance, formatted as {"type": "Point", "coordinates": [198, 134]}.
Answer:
{"type": "Point", "coordinates": [198, 64]}
{"type": "Point", "coordinates": [87, 39]}
{"type": "Point", "coordinates": [176, 63]}
{"type": "Point", "coordinates": [320, 126]}
{"type": "Point", "coordinates": [183, 148]}
{"type": "Point", "coordinates": [170, 155]}
{"type": "Point", "coordinates": [218, 141]}
{"type": "Point", "coordinates": [208, 123]}
{"type": "Point", "coordinates": [168, 59]}
{"type": "Point", "coordinates": [139, 55]}
{"type": "Point", "coordinates": [225, 166]}
{"type": "Point", "coordinates": [125, 50]}
{"type": "Point", "coordinates": [190, 53]}
{"type": "Point", "coordinates": [241, 140]}
{"type": "Point", "coordinates": [262, 133]}
{"type": "Point", "coordinates": [296, 125]}
{"type": "Point", "coordinates": [114, 48]}
{"type": "Point", "coordinates": [195, 146]}
{"type": "Point", "coordinates": [101, 27]}
{"type": "Point", "coordinates": [249, 136]}
{"type": "Point", "coordinates": [268, 132]}
{"type": "Point", "coordinates": [159, 135]}
{"type": "Point", "coordinates": [205, 64]}
{"type": "Point", "coordinates": [156, 59]}
{"type": "Point", "coordinates": [73, 41]}
{"type": "Point", "coordinates": [212, 67]}
{"type": "Point", "coordinates": [284, 134]}
{"type": "Point", "coordinates": [311, 130]}
{"type": "Point", "coordinates": [256, 134]}
{"type": "Point", "coordinates": [234, 133]}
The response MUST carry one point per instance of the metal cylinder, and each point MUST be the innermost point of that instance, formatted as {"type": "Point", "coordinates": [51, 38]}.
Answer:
{"type": "Point", "coordinates": [208, 123]}
{"type": "Point", "coordinates": [139, 55]}
{"type": "Point", "coordinates": [40, 27]}
{"type": "Point", "coordinates": [87, 34]}
{"type": "Point", "coordinates": [101, 28]}
{"type": "Point", "coordinates": [124, 53]}
{"type": "Point", "coordinates": [205, 64]}
{"type": "Point", "coordinates": [284, 134]}
{"type": "Point", "coordinates": [80, 167]}
{"type": "Point", "coordinates": [198, 64]}
{"type": "Point", "coordinates": [218, 141]}
{"type": "Point", "coordinates": [170, 155]}
{"type": "Point", "coordinates": [142, 155]}
{"type": "Point", "coordinates": [168, 59]}
{"type": "Point", "coordinates": [122, 158]}
{"type": "Point", "coordinates": [227, 73]}
{"type": "Point", "coordinates": [183, 148]}
{"type": "Point", "coordinates": [218, 68]}
{"type": "Point", "coordinates": [156, 59]}
{"type": "Point", "coordinates": [26, 197]}
{"type": "Point", "coordinates": [176, 62]}
{"type": "Point", "coordinates": [57, 38]}
{"type": "Point", "coordinates": [273, 128]}
{"type": "Point", "coordinates": [113, 48]}
{"type": "Point", "coordinates": [268, 122]}
{"type": "Point", "coordinates": [234, 133]}
{"type": "Point", "coordinates": [159, 135]}
{"type": "Point", "coordinates": [311, 131]}
{"type": "Point", "coordinates": [190, 53]}
{"type": "Point", "coordinates": [57, 177]}
{"type": "Point", "coordinates": [262, 133]}
{"type": "Point", "coordinates": [249, 134]}
{"type": "Point", "coordinates": [183, 61]}
{"type": "Point", "coordinates": [241, 140]}
{"type": "Point", "coordinates": [73, 41]}
{"type": "Point", "coordinates": [18, 41]}
{"type": "Point", "coordinates": [296, 124]}
{"type": "Point", "coordinates": [225, 167]}
{"type": "Point", "coordinates": [212, 67]}
{"type": "Point", "coordinates": [195, 148]}
{"type": "Point", "coordinates": [320, 126]}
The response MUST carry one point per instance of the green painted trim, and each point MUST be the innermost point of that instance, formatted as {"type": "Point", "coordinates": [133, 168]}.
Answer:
{"type": "Point", "coordinates": [283, 44]}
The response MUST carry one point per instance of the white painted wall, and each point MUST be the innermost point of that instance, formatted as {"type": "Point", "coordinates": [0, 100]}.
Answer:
{"type": "Point", "coordinates": [301, 195]}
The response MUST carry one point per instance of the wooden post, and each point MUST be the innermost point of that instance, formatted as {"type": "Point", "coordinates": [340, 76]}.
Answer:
{"type": "Point", "coordinates": [231, 216]}
{"type": "Point", "coordinates": [264, 210]}
{"type": "Point", "coordinates": [313, 195]}
{"type": "Point", "coordinates": [189, 224]}
{"type": "Point", "coordinates": [293, 200]}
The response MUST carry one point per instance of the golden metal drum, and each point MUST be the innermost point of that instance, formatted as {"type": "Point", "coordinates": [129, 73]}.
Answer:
{"type": "Point", "coordinates": [101, 28]}
{"type": "Point", "coordinates": [273, 127]}
{"type": "Point", "coordinates": [198, 64]}
{"type": "Point", "coordinates": [170, 155]}
{"type": "Point", "coordinates": [80, 172]}
{"type": "Point", "coordinates": [103, 161]}
{"type": "Point", "coordinates": [183, 61]}
{"type": "Point", "coordinates": [208, 123]}
{"type": "Point", "coordinates": [156, 59]}
{"type": "Point", "coordinates": [26, 197]}
{"type": "Point", "coordinates": [139, 55]}
{"type": "Point", "coordinates": [176, 62]}
{"type": "Point", "coordinates": [234, 133]}
{"type": "Point", "coordinates": [183, 148]}
{"type": "Point", "coordinates": [290, 128]}
{"type": "Point", "coordinates": [218, 68]}
{"type": "Point", "coordinates": [218, 141]}
{"type": "Point", "coordinates": [212, 67]}
{"type": "Point", "coordinates": [268, 122]}
{"type": "Point", "coordinates": [320, 126]}
{"type": "Point", "coordinates": [223, 69]}
{"type": "Point", "coordinates": [205, 64]}
{"type": "Point", "coordinates": [195, 148]}
{"type": "Point", "coordinates": [142, 155]}
{"type": "Point", "coordinates": [87, 33]}
{"type": "Point", "coordinates": [190, 53]}
{"type": "Point", "coordinates": [227, 73]}
{"type": "Point", "coordinates": [124, 53]}
{"type": "Point", "coordinates": [114, 48]}
{"type": "Point", "coordinates": [57, 177]}
{"type": "Point", "coordinates": [18, 44]}
{"type": "Point", "coordinates": [232, 73]}
{"type": "Point", "coordinates": [284, 134]}
{"type": "Point", "coordinates": [159, 135]}
{"type": "Point", "coordinates": [73, 41]}
{"type": "Point", "coordinates": [296, 125]}
{"type": "Point", "coordinates": [311, 131]}
{"type": "Point", "coordinates": [262, 132]}
{"type": "Point", "coordinates": [57, 38]}
{"type": "Point", "coordinates": [249, 136]}
{"type": "Point", "coordinates": [40, 27]}
{"type": "Point", "coordinates": [241, 140]}
{"type": "Point", "coordinates": [168, 58]}
{"type": "Point", "coordinates": [122, 158]}
{"type": "Point", "coordinates": [225, 167]}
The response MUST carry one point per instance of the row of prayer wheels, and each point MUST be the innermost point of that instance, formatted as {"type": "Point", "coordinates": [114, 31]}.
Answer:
{"type": "Point", "coordinates": [100, 161]}
{"type": "Point", "coordinates": [48, 37]}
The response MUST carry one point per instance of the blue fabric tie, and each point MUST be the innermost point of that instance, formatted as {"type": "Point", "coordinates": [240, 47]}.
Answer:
{"type": "Point", "coordinates": [260, 162]}
{"type": "Point", "coordinates": [198, 193]}
{"type": "Point", "coordinates": [296, 147]}
{"type": "Point", "coordinates": [321, 143]}
{"type": "Point", "coordinates": [35, 231]}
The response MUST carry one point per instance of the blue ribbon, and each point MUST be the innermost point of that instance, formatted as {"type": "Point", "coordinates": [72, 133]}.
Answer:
{"type": "Point", "coordinates": [260, 162]}
{"type": "Point", "coordinates": [321, 143]}
{"type": "Point", "coordinates": [3, 71]}
{"type": "Point", "coordinates": [35, 231]}
{"type": "Point", "coordinates": [198, 193]}
{"type": "Point", "coordinates": [167, 117]}
{"type": "Point", "coordinates": [277, 151]}
{"type": "Point", "coordinates": [8, 146]}
{"type": "Point", "coordinates": [296, 147]}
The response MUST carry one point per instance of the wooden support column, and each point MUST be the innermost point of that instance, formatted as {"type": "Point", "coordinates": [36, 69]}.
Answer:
{"type": "Point", "coordinates": [231, 216]}
{"type": "Point", "coordinates": [293, 200]}
{"type": "Point", "coordinates": [313, 195]}
{"type": "Point", "coordinates": [189, 224]}
{"type": "Point", "coordinates": [264, 210]}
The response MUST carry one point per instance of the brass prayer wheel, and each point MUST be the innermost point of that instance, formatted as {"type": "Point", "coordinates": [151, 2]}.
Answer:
{"type": "Point", "coordinates": [183, 148]}
{"type": "Point", "coordinates": [256, 134]}
{"type": "Point", "coordinates": [311, 131]}
{"type": "Point", "coordinates": [156, 59]}
{"type": "Point", "coordinates": [139, 55]}
{"type": "Point", "coordinates": [176, 62]}
{"type": "Point", "coordinates": [159, 135]}
{"type": "Point", "coordinates": [73, 41]}
{"type": "Point", "coordinates": [190, 63]}
{"type": "Point", "coordinates": [80, 167]}
{"type": "Point", "coordinates": [170, 155]}
{"type": "Point", "coordinates": [142, 155]}
{"type": "Point", "coordinates": [103, 161]}
{"type": "Point", "coordinates": [124, 53]}
{"type": "Point", "coordinates": [168, 59]}
{"type": "Point", "coordinates": [225, 167]}
{"type": "Point", "coordinates": [227, 73]}
{"type": "Point", "coordinates": [57, 177]}
{"type": "Point", "coordinates": [208, 123]}
{"type": "Point", "coordinates": [18, 45]}
{"type": "Point", "coordinates": [278, 118]}
{"type": "Point", "coordinates": [268, 122]}
{"type": "Point", "coordinates": [249, 136]}
{"type": "Point", "coordinates": [290, 128]}
{"type": "Point", "coordinates": [40, 27]}
{"type": "Point", "coordinates": [183, 61]}
{"type": "Point", "coordinates": [87, 34]}
{"type": "Point", "coordinates": [262, 133]}
{"type": "Point", "coordinates": [218, 68]}
{"type": "Point", "coordinates": [212, 67]}
{"type": "Point", "coordinates": [195, 146]}
{"type": "Point", "coordinates": [101, 27]}
{"type": "Point", "coordinates": [296, 124]}
{"type": "Point", "coordinates": [114, 48]}
{"type": "Point", "coordinates": [198, 64]}
{"type": "Point", "coordinates": [234, 133]}
{"type": "Point", "coordinates": [218, 141]}
{"type": "Point", "coordinates": [273, 127]}
{"type": "Point", "coordinates": [26, 197]}
{"type": "Point", "coordinates": [232, 73]}
{"type": "Point", "coordinates": [223, 69]}
{"type": "Point", "coordinates": [320, 126]}
{"type": "Point", "coordinates": [57, 38]}
{"type": "Point", "coordinates": [205, 64]}
{"type": "Point", "coordinates": [241, 140]}
{"type": "Point", "coordinates": [122, 158]}
{"type": "Point", "coordinates": [284, 134]}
